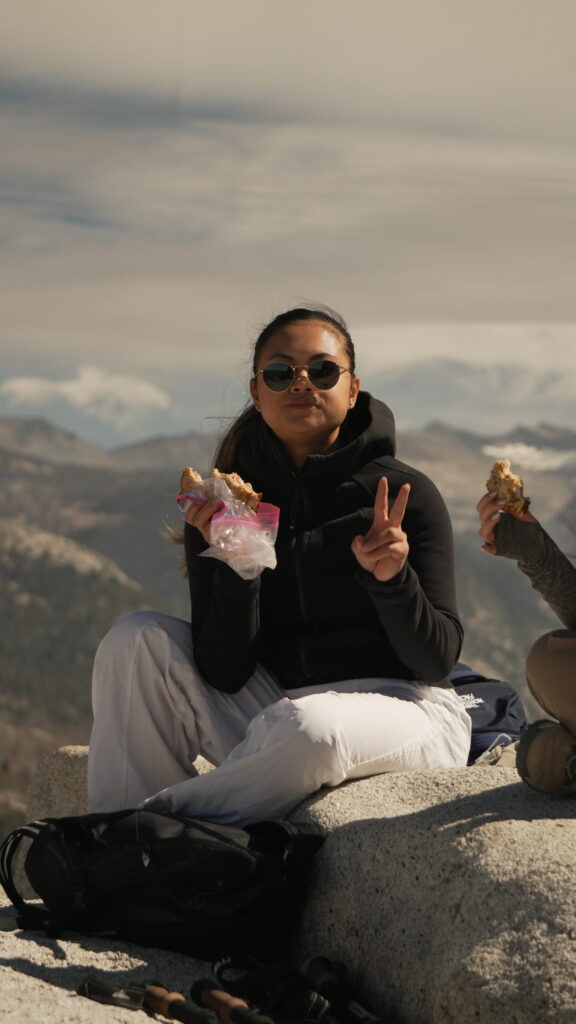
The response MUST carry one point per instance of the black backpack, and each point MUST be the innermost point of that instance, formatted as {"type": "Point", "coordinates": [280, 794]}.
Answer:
{"type": "Point", "coordinates": [161, 880]}
{"type": "Point", "coordinates": [495, 708]}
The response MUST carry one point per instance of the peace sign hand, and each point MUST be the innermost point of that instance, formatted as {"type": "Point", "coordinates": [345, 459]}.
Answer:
{"type": "Point", "coordinates": [384, 549]}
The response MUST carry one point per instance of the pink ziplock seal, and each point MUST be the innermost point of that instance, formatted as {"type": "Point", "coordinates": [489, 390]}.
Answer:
{"type": "Point", "coordinates": [194, 499]}
{"type": "Point", "coordinates": [266, 518]}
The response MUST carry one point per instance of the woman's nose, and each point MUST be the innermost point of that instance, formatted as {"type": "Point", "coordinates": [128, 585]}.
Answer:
{"type": "Point", "coordinates": [301, 377]}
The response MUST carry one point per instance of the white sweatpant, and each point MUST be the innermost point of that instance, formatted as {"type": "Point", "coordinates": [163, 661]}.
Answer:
{"type": "Point", "coordinates": [153, 715]}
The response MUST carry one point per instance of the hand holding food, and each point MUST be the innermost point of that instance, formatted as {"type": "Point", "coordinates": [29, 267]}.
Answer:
{"type": "Point", "coordinates": [505, 494]}
{"type": "Point", "coordinates": [509, 488]}
{"type": "Point", "coordinates": [239, 528]}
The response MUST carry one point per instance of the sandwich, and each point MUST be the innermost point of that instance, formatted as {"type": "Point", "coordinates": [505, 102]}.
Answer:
{"type": "Point", "coordinates": [189, 480]}
{"type": "Point", "coordinates": [509, 488]}
{"type": "Point", "coordinates": [238, 487]}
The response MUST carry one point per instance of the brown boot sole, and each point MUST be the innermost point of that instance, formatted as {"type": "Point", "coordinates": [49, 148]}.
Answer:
{"type": "Point", "coordinates": [547, 772]}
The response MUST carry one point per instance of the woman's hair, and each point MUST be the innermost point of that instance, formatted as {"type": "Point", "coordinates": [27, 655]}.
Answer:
{"type": "Point", "coordinates": [230, 444]}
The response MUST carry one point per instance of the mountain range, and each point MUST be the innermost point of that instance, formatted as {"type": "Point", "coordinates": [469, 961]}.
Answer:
{"type": "Point", "coordinates": [483, 397]}
{"type": "Point", "coordinates": [83, 541]}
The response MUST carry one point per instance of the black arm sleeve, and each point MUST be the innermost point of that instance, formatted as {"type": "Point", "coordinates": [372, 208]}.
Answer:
{"type": "Point", "coordinates": [225, 619]}
{"type": "Point", "coordinates": [417, 608]}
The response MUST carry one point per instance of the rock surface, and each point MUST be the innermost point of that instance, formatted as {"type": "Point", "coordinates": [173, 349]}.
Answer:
{"type": "Point", "coordinates": [40, 975]}
{"type": "Point", "coordinates": [59, 786]}
{"type": "Point", "coordinates": [449, 896]}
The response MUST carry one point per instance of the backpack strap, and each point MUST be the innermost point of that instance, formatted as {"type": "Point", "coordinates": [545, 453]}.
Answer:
{"type": "Point", "coordinates": [8, 851]}
{"type": "Point", "coordinates": [289, 842]}
{"type": "Point", "coordinates": [29, 916]}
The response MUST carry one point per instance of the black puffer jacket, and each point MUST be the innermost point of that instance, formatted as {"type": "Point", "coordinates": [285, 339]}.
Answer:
{"type": "Point", "coordinates": [318, 617]}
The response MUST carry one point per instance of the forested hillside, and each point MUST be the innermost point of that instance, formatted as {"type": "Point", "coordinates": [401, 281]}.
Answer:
{"type": "Point", "coordinates": [56, 601]}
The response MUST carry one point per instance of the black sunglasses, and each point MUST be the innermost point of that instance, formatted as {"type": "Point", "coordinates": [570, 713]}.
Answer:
{"type": "Point", "coordinates": [322, 374]}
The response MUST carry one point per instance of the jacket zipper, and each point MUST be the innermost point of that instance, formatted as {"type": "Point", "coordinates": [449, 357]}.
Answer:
{"type": "Point", "coordinates": [296, 551]}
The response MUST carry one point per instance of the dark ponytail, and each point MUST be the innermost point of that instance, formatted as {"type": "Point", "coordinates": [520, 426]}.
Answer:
{"type": "Point", "coordinates": [227, 451]}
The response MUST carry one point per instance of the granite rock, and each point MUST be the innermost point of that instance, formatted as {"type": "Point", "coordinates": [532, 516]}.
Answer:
{"type": "Point", "coordinates": [448, 895]}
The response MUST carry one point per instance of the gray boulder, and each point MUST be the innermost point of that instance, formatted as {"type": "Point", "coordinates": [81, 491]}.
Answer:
{"type": "Point", "coordinates": [448, 895]}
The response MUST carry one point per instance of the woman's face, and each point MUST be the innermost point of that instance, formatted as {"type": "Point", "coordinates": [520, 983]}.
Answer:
{"type": "Point", "coordinates": [305, 418]}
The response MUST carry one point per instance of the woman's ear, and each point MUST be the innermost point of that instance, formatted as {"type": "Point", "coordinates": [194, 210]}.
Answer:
{"type": "Point", "coordinates": [354, 389]}
{"type": "Point", "coordinates": [254, 394]}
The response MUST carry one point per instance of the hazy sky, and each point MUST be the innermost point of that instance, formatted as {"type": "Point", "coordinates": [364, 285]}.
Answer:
{"type": "Point", "coordinates": [173, 174]}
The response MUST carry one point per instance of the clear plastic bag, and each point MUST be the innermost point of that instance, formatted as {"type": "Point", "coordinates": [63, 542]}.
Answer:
{"type": "Point", "coordinates": [239, 536]}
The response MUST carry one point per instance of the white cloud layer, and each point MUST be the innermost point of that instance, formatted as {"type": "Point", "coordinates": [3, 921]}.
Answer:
{"type": "Point", "coordinates": [509, 65]}
{"type": "Point", "coordinates": [526, 456]}
{"type": "Point", "coordinates": [113, 398]}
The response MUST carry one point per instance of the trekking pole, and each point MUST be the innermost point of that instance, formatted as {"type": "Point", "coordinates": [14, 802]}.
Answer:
{"type": "Point", "coordinates": [173, 1005]}
{"type": "Point", "coordinates": [322, 976]}
{"type": "Point", "coordinates": [230, 1009]}
{"type": "Point", "coordinates": [154, 996]}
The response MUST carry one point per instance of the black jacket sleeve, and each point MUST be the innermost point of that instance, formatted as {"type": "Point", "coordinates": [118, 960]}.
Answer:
{"type": "Point", "coordinates": [225, 620]}
{"type": "Point", "coordinates": [417, 608]}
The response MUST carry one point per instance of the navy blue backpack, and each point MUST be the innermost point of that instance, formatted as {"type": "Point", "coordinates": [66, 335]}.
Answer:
{"type": "Point", "coordinates": [496, 709]}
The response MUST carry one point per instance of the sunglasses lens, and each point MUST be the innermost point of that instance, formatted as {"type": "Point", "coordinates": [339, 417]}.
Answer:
{"type": "Point", "coordinates": [278, 376]}
{"type": "Point", "coordinates": [323, 373]}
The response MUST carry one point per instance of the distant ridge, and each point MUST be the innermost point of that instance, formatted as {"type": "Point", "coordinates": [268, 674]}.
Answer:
{"type": "Point", "coordinates": [544, 435]}
{"type": "Point", "coordinates": [166, 451]}
{"type": "Point", "coordinates": [485, 399]}
{"type": "Point", "coordinates": [39, 438]}
{"type": "Point", "coordinates": [42, 439]}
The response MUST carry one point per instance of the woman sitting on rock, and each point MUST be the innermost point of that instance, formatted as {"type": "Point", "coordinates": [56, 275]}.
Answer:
{"type": "Point", "coordinates": [546, 757]}
{"type": "Point", "coordinates": [333, 665]}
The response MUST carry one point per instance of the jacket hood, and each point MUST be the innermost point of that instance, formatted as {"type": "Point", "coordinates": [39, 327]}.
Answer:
{"type": "Point", "coordinates": [369, 425]}
{"type": "Point", "coordinates": [367, 433]}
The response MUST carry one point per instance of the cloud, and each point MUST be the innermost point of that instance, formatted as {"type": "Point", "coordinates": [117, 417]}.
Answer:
{"type": "Point", "coordinates": [507, 65]}
{"type": "Point", "coordinates": [526, 456]}
{"type": "Point", "coordinates": [113, 398]}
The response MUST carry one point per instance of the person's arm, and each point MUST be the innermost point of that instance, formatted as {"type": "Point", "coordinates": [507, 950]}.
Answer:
{"type": "Point", "coordinates": [225, 619]}
{"type": "Point", "coordinates": [412, 587]}
{"type": "Point", "coordinates": [538, 557]}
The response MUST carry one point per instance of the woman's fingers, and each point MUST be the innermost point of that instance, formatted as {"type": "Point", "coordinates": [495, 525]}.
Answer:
{"type": "Point", "coordinates": [489, 508]}
{"type": "Point", "coordinates": [394, 517]}
{"type": "Point", "coordinates": [384, 549]}
{"type": "Point", "coordinates": [488, 504]}
{"type": "Point", "coordinates": [200, 516]}
{"type": "Point", "coordinates": [381, 539]}
{"type": "Point", "coordinates": [384, 555]}
{"type": "Point", "coordinates": [399, 507]}
{"type": "Point", "coordinates": [381, 502]}
{"type": "Point", "coordinates": [395, 549]}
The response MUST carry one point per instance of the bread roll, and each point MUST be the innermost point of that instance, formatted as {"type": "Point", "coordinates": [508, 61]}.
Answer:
{"type": "Point", "coordinates": [509, 488]}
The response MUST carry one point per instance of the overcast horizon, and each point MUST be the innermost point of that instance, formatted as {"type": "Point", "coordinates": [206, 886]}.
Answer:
{"type": "Point", "coordinates": [172, 177]}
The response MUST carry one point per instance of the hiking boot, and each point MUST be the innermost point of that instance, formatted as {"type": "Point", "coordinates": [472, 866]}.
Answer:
{"type": "Point", "coordinates": [546, 758]}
